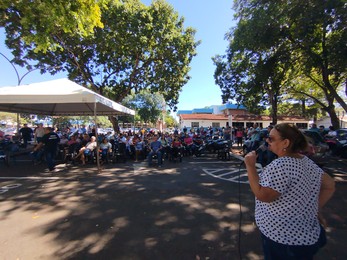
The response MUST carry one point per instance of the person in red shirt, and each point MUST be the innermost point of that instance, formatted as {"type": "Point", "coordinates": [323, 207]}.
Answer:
{"type": "Point", "coordinates": [239, 136]}
{"type": "Point", "coordinates": [176, 148]}
{"type": "Point", "coordinates": [188, 144]}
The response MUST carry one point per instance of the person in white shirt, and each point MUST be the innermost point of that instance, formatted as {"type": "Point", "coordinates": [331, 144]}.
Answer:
{"type": "Point", "coordinates": [105, 148]}
{"type": "Point", "coordinates": [332, 133]}
{"type": "Point", "coordinates": [39, 133]}
{"type": "Point", "coordinates": [87, 149]}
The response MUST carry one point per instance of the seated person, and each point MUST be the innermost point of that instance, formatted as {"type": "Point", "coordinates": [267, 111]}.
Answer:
{"type": "Point", "coordinates": [155, 149]}
{"type": "Point", "coordinates": [105, 148]}
{"type": "Point", "coordinates": [63, 140]}
{"type": "Point", "coordinates": [138, 148]}
{"type": "Point", "coordinates": [165, 145]}
{"type": "Point", "coordinates": [72, 148]}
{"type": "Point", "coordinates": [84, 139]}
{"type": "Point", "coordinates": [87, 149]}
{"type": "Point", "coordinates": [188, 144]}
{"type": "Point", "coordinates": [73, 140]}
{"type": "Point", "coordinates": [177, 147]}
{"type": "Point", "coordinates": [130, 148]}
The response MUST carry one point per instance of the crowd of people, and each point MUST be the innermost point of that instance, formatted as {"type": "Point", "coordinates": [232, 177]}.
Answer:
{"type": "Point", "coordinates": [147, 144]}
{"type": "Point", "coordinates": [142, 145]}
{"type": "Point", "coordinates": [290, 191]}
{"type": "Point", "coordinates": [138, 146]}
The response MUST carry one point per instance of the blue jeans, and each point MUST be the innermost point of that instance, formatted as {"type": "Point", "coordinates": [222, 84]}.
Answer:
{"type": "Point", "coordinates": [159, 154]}
{"type": "Point", "coordinates": [273, 250]}
{"type": "Point", "coordinates": [37, 155]}
{"type": "Point", "coordinates": [50, 159]}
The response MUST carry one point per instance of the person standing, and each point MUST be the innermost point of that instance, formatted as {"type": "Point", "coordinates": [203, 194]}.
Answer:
{"type": "Point", "coordinates": [239, 136]}
{"type": "Point", "coordinates": [290, 193]}
{"type": "Point", "coordinates": [39, 133]}
{"type": "Point", "coordinates": [49, 142]}
{"type": "Point", "coordinates": [26, 134]}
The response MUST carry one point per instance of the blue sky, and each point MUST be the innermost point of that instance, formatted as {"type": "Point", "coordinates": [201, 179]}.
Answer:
{"type": "Point", "coordinates": [211, 19]}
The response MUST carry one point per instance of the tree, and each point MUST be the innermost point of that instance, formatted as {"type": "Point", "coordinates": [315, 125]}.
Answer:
{"type": "Point", "coordinates": [256, 65]}
{"type": "Point", "coordinates": [317, 30]}
{"type": "Point", "coordinates": [149, 107]}
{"type": "Point", "coordinates": [139, 47]}
{"type": "Point", "coordinates": [313, 33]}
{"type": "Point", "coordinates": [170, 120]}
{"type": "Point", "coordinates": [35, 23]}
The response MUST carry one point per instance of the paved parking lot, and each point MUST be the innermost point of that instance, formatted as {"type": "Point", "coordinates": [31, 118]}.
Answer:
{"type": "Point", "coordinates": [198, 209]}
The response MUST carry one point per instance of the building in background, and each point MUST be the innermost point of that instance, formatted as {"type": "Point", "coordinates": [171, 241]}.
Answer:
{"type": "Point", "coordinates": [230, 115]}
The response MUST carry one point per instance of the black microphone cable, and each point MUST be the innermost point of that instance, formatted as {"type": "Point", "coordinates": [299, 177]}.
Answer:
{"type": "Point", "coordinates": [240, 209]}
{"type": "Point", "coordinates": [261, 148]}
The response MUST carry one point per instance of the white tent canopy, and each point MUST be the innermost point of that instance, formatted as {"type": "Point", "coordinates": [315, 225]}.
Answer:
{"type": "Point", "coordinates": [56, 98]}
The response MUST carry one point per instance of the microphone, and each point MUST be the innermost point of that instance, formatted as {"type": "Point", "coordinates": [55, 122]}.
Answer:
{"type": "Point", "coordinates": [261, 148]}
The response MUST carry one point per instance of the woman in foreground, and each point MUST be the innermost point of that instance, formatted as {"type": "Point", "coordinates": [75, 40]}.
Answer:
{"type": "Point", "coordinates": [290, 192]}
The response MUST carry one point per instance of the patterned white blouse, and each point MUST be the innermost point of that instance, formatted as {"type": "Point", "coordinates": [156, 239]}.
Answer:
{"type": "Point", "coordinates": [292, 218]}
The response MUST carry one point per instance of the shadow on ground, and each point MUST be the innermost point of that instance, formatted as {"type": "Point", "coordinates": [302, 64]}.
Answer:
{"type": "Point", "coordinates": [130, 211]}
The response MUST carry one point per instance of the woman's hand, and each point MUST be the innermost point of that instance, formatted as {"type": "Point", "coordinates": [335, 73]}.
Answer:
{"type": "Point", "coordinates": [251, 159]}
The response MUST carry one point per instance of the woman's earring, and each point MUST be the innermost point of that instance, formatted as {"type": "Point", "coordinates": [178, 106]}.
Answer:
{"type": "Point", "coordinates": [284, 149]}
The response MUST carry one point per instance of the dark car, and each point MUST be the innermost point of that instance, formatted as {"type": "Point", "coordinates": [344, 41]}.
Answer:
{"type": "Point", "coordinates": [319, 145]}
{"type": "Point", "coordinates": [338, 144]}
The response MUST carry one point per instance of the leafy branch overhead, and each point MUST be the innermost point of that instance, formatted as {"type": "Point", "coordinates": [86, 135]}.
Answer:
{"type": "Point", "coordinates": [282, 49]}
{"type": "Point", "coordinates": [135, 47]}
{"type": "Point", "coordinates": [36, 22]}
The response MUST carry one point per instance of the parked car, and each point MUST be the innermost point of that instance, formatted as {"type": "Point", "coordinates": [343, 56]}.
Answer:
{"type": "Point", "coordinates": [319, 145]}
{"type": "Point", "coordinates": [338, 144]}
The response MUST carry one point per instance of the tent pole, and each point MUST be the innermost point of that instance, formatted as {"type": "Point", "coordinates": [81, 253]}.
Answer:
{"type": "Point", "coordinates": [97, 141]}
{"type": "Point", "coordinates": [17, 122]}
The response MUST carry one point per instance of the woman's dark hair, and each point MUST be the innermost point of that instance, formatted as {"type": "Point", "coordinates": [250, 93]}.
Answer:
{"type": "Point", "coordinates": [297, 139]}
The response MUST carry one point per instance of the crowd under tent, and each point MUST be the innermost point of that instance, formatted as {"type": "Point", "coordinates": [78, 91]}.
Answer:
{"type": "Point", "coordinates": [60, 97]}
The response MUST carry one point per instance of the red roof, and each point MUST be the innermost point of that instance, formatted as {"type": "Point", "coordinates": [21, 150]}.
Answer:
{"type": "Point", "coordinates": [203, 117]}
{"type": "Point", "coordinates": [239, 118]}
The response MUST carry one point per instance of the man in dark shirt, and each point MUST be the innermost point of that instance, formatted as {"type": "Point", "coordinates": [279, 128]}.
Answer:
{"type": "Point", "coordinates": [26, 133]}
{"type": "Point", "coordinates": [49, 142]}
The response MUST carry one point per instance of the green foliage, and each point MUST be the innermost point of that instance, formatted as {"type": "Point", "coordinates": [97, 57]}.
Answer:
{"type": "Point", "coordinates": [4, 116]}
{"type": "Point", "coordinates": [149, 107]}
{"type": "Point", "coordinates": [170, 121]}
{"type": "Point", "coordinates": [36, 23]}
{"type": "Point", "coordinates": [256, 65]}
{"type": "Point", "coordinates": [139, 47]}
{"type": "Point", "coordinates": [276, 43]}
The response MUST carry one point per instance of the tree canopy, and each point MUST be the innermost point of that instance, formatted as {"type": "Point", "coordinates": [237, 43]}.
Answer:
{"type": "Point", "coordinates": [36, 22]}
{"type": "Point", "coordinates": [139, 47]}
{"type": "Point", "coordinates": [277, 42]}
{"type": "Point", "coordinates": [149, 107]}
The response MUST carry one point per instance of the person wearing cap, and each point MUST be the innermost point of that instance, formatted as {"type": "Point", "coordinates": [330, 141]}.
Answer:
{"type": "Point", "coordinates": [49, 142]}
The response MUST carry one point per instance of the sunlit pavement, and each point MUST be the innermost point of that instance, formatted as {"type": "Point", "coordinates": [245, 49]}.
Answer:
{"type": "Point", "coordinates": [188, 210]}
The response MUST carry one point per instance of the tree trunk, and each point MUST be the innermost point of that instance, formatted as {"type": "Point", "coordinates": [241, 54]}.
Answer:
{"type": "Point", "coordinates": [335, 122]}
{"type": "Point", "coordinates": [114, 121]}
{"type": "Point", "coordinates": [331, 89]}
{"type": "Point", "coordinates": [274, 104]}
{"type": "Point", "coordinates": [303, 107]}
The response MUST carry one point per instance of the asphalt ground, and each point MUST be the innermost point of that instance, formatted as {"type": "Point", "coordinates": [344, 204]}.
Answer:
{"type": "Point", "coordinates": [201, 208]}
